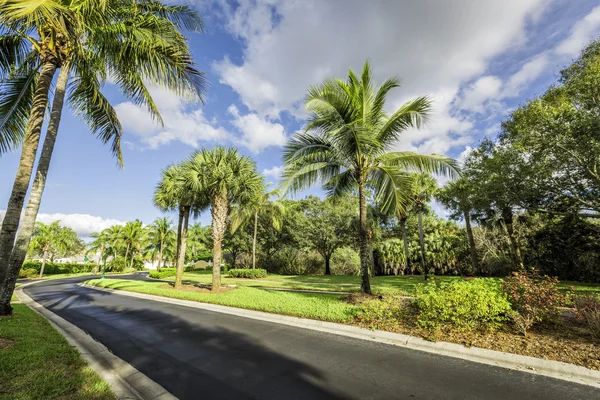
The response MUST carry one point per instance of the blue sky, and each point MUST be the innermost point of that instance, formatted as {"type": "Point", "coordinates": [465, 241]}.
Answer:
{"type": "Point", "coordinates": [478, 59]}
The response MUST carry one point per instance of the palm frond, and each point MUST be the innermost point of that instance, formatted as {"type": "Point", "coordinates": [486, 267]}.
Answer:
{"type": "Point", "coordinates": [412, 114]}
{"type": "Point", "coordinates": [413, 162]}
{"type": "Point", "coordinates": [385, 182]}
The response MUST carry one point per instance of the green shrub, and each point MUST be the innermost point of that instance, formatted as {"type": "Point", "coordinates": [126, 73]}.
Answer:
{"type": "Point", "coordinates": [164, 273]}
{"type": "Point", "coordinates": [248, 273]}
{"type": "Point", "coordinates": [472, 304]}
{"type": "Point", "coordinates": [587, 310]}
{"type": "Point", "coordinates": [205, 256]}
{"type": "Point", "coordinates": [58, 268]}
{"type": "Point", "coordinates": [189, 268]}
{"type": "Point", "coordinates": [28, 273]}
{"type": "Point", "coordinates": [382, 313]}
{"type": "Point", "coordinates": [533, 299]}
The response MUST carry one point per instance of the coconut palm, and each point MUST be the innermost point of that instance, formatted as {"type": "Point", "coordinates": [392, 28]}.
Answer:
{"type": "Point", "coordinates": [260, 206]}
{"type": "Point", "coordinates": [198, 240]}
{"type": "Point", "coordinates": [134, 235]}
{"type": "Point", "coordinates": [424, 187]}
{"type": "Point", "coordinates": [347, 146]}
{"type": "Point", "coordinates": [139, 43]}
{"type": "Point", "coordinates": [173, 194]}
{"type": "Point", "coordinates": [100, 245]}
{"type": "Point", "coordinates": [226, 178]}
{"type": "Point", "coordinates": [52, 239]}
{"type": "Point", "coordinates": [160, 235]}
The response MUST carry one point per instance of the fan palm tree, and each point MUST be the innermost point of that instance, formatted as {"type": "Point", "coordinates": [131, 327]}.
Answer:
{"type": "Point", "coordinates": [174, 194]}
{"type": "Point", "coordinates": [260, 206]}
{"type": "Point", "coordinates": [226, 178]}
{"type": "Point", "coordinates": [160, 235]}
{"type": "Point", "coordinates": [347, 146]}
{"type": "Point", "coordinates": [138, 43]}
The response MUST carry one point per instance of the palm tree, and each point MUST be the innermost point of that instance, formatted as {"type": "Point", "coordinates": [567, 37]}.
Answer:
{"type": "Point", "coordinates": [134, 236]}
{"type": "Point", "coordinates": [101, 244]}
{"type": "Point", "coordinates": [152, 30]}
{"type": "Point", "coordinates": [51, 240]}
{"type": "Point", "coordinates": [347, 143]}
{"type": "Point", "coordinates": [160, 235]}
{"type": "Point", "coordinates": [260, 206]}
{"type": "Point", "coordinates": [198, 240]}
{"type": "Point", "coordinates": [114, 238]}
{"type": "Point", "coordinates": [173, 193]}
{"type": "Point", "coordinates": [424, 188]}
{"type": "Point", "coordinates": [226, 178]}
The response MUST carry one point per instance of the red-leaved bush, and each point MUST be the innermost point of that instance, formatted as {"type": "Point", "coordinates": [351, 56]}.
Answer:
{"type": "Point", "coordinates": [533, 298]}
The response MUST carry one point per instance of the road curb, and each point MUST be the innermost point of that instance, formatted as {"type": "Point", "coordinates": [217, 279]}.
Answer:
{"type": "Point", "coordinates": [550, 368]}
{"type": "Point", "coordinates": [125, 381]}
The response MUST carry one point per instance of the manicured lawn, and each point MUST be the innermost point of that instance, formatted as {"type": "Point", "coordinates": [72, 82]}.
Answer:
{"type": "Point", "coordinates": [403, 285]}
{"type": "Point", "coordinates": [325, 307]}
{"type": "Point", "coordinates": [36, 362]}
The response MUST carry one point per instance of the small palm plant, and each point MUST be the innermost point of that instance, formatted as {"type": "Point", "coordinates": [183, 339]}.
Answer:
{"type": "Point", "coordinates": [347, 146]}
{"type": "Point", "coordinates": [226, 178]}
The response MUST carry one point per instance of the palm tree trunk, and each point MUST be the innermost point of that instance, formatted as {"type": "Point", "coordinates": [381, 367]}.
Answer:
{"type": "Point", "coordinates": [405, 241]}
{"type": "Point", "coordinates": [219, 220]}
{"type": "Point", "coordinates": [131, 262]}
{"type": "Point", "coordinates": [328, 265]}
{"type": "Point", "coordinates": [12, 216]}
{"type": "Point", "coordinates": [159, 257]}
{"type": "Point", "coordinates": [44, 257]}
{"type": "Point", "coordinates": [179, 226]}
{"type": "Point", "coordinates": [422, 243]}
{"type": "Point", "coordinates": [181, 254]}
{"type": "Point", "coordinates": [474, 261]}
{"type": "Point", "coordinates": [365, 285]}
{"type": "Point", "coordinates": [126, 252]}
{"type": "Point", "coordinates": [35, 197]}
{"type": "Point", "coordinates": [254, 240]}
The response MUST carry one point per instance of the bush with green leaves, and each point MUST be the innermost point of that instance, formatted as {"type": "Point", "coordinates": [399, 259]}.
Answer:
{"type": "Point", "coordinates": [58, 268]}
{"type": "Point", "coordinates": [587, 311]}
{"type": "Point", "coordinates": [533, 298]}
{"type": "Point", "coordinates": [247, 273]}
{"type": "Point", "coordinates": [29, 273]}
{"type": "Point", "coordinates": [383, 313]}
{"type": "Point", "coordinates": [464, 304]}
{"type": "Point", "coordinates": [163, 273]}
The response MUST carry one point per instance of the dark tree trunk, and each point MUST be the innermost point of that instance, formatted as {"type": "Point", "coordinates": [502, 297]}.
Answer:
{"type": "Point", "coordinates": [181, 255]}
{"type": "Point", "coordinates": [219, 210]}
{"type": "Point", "coordinates": [507, 217]}
{"type": "Point", "coordinates": [474, 261]}
{"type": "Point", "coordinates": [14, 208]}
{"type": "Point", "coordinates": [422, 243]}
{"type": "Point", "coordinates": [405, 242]}
{"type": "Point", "coordinates": [328, 265]}
{"type": "Point", "coordinates": [365, 285]}
{"type": "Point", "coordinates": [254, 240]}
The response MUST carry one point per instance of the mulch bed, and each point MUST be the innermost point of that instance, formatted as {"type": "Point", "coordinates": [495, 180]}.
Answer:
{"type": "Point", "coordinates": [565, 340]}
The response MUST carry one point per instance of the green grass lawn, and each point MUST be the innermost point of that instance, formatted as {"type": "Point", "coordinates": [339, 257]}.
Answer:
{"type": "Point", "coordinates": [389, 285]}
{"type": "Point", "coordinates": [37, 362]}
{"type": "Point", "coordinates": [325, 307]}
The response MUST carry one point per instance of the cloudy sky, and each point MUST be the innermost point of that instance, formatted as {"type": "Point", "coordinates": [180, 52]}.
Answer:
{"type": "Point", "coordinates": [478, 59]}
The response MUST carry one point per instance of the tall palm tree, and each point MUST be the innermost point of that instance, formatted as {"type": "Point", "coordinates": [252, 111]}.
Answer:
{"type": "Point", "coordinates": [424, 187]}
{"type": "Point", "coordinates": [162, 56]}
{"type": "Point", "coordinates": [133, 236]}
{"type": "Point", "coordinates": [347, 146]}
{"type": "Point", "coordinates": [101, 244]}
{"type": "Point", "coordinates": [226, 178]}
{"type": "Point", "coordinates": [173, 194]}
{"type": "Point", "coordinates": [160, 235]}
{"type": "Point", "coordinates": [198, 240]}
{"type": "Point", "coordinates": [260, 206]}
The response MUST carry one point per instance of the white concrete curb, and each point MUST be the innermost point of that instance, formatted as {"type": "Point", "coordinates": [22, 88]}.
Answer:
{"type": "Point", "coordinates": [125, 381]}
{"type": "Point", "coordinates": [554, 369]}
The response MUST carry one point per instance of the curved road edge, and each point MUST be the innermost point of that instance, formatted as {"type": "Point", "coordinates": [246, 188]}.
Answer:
{"type": "Point", "coordinates": [549, 368]}
{"type": "Point", "coordinates": [125, 381]}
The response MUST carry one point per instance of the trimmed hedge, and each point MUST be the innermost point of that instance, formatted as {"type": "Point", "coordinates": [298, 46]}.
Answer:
{"type": "Point", "coordinates": [169, 272]}
{"type": "Point", "coordinates": [248, 273]}
{"type": "Point", "coordinates": [56, 268]}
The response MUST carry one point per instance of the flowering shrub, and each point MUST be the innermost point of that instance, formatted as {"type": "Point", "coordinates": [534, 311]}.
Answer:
{"type": "Point", "coordinates": [587, 310]}
{"type": "Point", "coordinates": [533, 298]}
{"type": "Point", "coordinates": [478, 303]}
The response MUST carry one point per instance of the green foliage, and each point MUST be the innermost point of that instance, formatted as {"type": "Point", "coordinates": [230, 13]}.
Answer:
{"type": "Point", "coordinates": [384, 313]}
{"type": "Point", "coordinates": [533, 299]}
{"type": "Point", "coordinates": [29, 273]}
{"type": "Point", "coordinates": [587, 310]}
{"type": "Point", "coordinates": [163, 273]}
{"type": "Point", "coordinates": [52, 240]}
{"type": "Point", "coordinates": [464, 304]}
{"type": "Point", "coordinates": [248, 273]}
{"type": "Point", "coordinates": [57, 268]}
{"type": "Point", "coordinates": [345, 261]}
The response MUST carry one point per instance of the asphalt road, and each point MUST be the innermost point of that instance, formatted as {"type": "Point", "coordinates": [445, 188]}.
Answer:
{"type": "Point", "coordinates": [197, 354]}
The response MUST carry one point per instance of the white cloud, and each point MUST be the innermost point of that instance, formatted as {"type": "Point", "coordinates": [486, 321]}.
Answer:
{"type": "Point", "coordinates": [292, 45]}
{"type": "Point", "coordinates": [483, 89]}
{"type": "Point", "coordinates": [274, 172]}
{"type": "Point", "coordinates": [257, 133]}
{"type": "Point", "coordinates": [581, 34]}
{"type": "Point", "coordinates": [529, 72]}
{"type": "Point", "coordinates": [83, 224]}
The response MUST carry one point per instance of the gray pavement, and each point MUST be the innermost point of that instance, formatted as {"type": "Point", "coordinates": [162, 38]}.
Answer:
{"type": "Point", "coordinates": [199, 354]}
